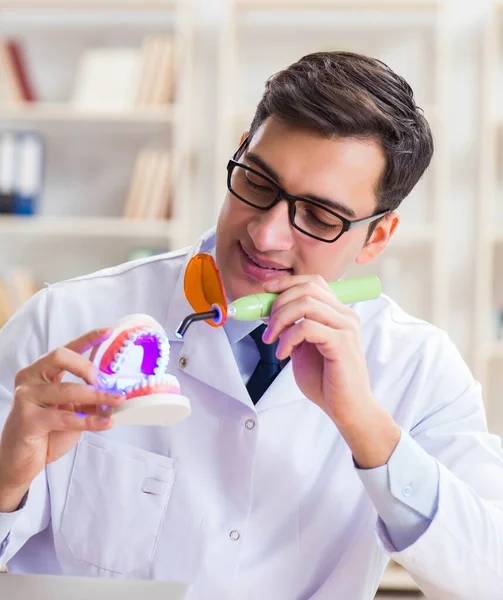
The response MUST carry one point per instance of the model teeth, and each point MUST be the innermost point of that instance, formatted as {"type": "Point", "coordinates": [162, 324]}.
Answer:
{"type": "Point", "coordinates": [153, 381]}
{"type": "Point", "coordinates": [119, 357]}
{"type": "Point", "coordinates": [159, 377]}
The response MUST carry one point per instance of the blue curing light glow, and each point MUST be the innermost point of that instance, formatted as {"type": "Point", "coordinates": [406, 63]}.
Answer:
{"type": "Point", "coordinates": [219, 317]}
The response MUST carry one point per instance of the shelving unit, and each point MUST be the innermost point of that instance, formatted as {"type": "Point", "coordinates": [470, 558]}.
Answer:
{"type": "Point", "coordinates": [53, 112]}
{"type": "Point", "coordinates": [263, 36]}
{"type": "Point", "coordinates": [91, 154]}
{"type": "Point", "coordinates": [88, 4]}
{"type": "Point", "coordinates": [96, 228]}
{"type": "Point", "coordinates": [487, 348]}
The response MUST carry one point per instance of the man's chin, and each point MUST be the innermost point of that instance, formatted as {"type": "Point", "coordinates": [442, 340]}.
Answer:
{"type": "Point", "coordinates": [239, 285]}
{"type": "Point", "coordinates": [238, 289]}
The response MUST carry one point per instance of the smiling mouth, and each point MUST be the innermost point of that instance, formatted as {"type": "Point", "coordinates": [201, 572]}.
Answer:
{"type": "Point", "coordinates": [150, 378]}
{"type": "Point", "coordinates": [265, 265]}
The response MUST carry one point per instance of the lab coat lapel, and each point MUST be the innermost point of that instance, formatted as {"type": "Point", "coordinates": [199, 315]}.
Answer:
{"type": "Point", "coordinates": [206, 350]}
{"type": "Point", "coordinates": [283, 390]}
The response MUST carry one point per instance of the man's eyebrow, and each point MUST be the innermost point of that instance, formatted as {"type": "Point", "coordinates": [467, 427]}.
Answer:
{"type": "Point", "coordinates": [268, 170]}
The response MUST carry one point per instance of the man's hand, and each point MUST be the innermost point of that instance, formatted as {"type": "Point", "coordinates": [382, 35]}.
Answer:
{"type": "Point", "coordinates": [322, 336]}
{"type": "Point", "coordinates": [48, 416]}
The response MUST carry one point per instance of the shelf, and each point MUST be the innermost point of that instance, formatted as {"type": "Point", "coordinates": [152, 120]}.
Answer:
{"type": "Point", "coordinates": [66, 113]}
{"type": "Point", "coordinates": [396, 578]}
{"type": "Point", "coordinates": [88, 4]}
{"type": "Point", "coordinates": [380, 5]}
{"type": "Point", "coordinates": [88, 227]}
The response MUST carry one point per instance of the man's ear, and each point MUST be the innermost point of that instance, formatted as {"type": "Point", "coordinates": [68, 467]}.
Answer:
{"type": "Point", "coordinates": [244, 135]}
{"type": "Point", "coordinates": [379, 239]}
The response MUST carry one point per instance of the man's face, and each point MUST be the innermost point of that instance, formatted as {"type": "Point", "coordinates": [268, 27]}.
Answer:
{"type": "Point", "coordinates": [255, 245]}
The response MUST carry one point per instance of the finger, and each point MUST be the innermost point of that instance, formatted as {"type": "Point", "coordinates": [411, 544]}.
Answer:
{"type": "Point", "coordinates": [310, 286]}
{"type": "Point", "coordinates": [103, 410]}
{"type": "Point", "coordinates": [325, 338]}
{"type": "Point", "coordinates": [92, 338]}
{"type": "Point", "coordinates": [304, 308]}
{"type": "Point", "coordinates": [284, 283]}
{"type": "Point", "coordinates": [61, 394]}
{"type": "Point", "coordinates": [62, 420]}
{"type": "Point", "coordinates": [52, 365]}
{"type": "Point", "coordinates": [308, 289]}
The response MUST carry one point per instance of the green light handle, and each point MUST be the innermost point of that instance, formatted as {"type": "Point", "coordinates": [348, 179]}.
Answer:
{"type": "Point", "coordinates": [348, 291]}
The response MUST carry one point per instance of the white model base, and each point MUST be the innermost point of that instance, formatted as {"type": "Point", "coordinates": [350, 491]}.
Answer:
{"type": "Point", "coordinates": [154, 409]}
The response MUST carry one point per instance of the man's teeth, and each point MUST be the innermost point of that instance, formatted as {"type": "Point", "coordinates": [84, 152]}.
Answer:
{"type": "Point", "coordinates": [268, 267]}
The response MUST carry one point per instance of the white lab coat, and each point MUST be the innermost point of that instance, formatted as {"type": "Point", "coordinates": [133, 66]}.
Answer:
{"type": "Point", "coordinates": [254, 502]}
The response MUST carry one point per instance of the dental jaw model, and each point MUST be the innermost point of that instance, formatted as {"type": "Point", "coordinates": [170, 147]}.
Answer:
{"type": "Point", "coordinates": [133, 360]}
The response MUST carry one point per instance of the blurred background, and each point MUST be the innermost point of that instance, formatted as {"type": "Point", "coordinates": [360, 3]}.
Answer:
{"type": "Point", "coordinates": [117, 118]}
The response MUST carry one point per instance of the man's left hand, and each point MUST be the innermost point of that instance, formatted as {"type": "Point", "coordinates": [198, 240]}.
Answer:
{"type": "Point", "coordinates": [323, 338]}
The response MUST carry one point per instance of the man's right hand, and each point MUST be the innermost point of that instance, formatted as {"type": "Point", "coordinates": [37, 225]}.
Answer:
{"type": "Point", "coordinates": [48, 416]}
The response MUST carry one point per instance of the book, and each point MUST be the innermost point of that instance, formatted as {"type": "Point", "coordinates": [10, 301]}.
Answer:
{"type": "Point", "coordinates": [16, 86]}
{"type": "Point", "coordinates": [6, 303]}
{"type": "Point", "coordinates": [126, 78]}
{"type": "Point", "coordinates": [11, 92]}
{"type": "Point", "coordinates": [17, 286]}
{"type": "Point", "coordinates": [138, 195]}
{"type": "Point", "coordinates": [159, 204]}
{"type": "Point", "coordinates": [22, 285]}
{"type": "Point", "coordinates": [107, 79]}
{"type": "Point", "coordinates": [149, 194]}
{"type": "Point", "coordinates": [7, 171]}
{"type": "Point", "coordinates": [29, 176]}
{"type": "Point", "coordinates": [163, 84]}
{"type": "Point", "coordinates": [149, 59]}
{"type": "Point", "coordinates": [156, 81]}
{"type": "Point", "coordinates": [19, 63]}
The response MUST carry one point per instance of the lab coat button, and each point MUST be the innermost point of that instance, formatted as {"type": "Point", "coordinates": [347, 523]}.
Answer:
{"type": "Point", "coordinates": [250, 424]}
{"type": "Point", "coordinates": [234, 535]}
{"type": "Point", "coordinates": [407, 490]}
{"type": "Point", "coordinates": [183, 362]}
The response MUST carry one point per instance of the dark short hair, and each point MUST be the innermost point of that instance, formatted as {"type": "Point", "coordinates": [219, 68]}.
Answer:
{"type": "Point", "coordinates": [343, 94]}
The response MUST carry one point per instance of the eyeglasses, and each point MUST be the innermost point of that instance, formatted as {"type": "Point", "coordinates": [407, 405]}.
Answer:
{"type": "Point", "coordinates": [307, 216]}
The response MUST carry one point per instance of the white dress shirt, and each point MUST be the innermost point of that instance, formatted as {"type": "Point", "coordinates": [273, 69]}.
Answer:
{"type": "Point", "coordinates": [261, 501]}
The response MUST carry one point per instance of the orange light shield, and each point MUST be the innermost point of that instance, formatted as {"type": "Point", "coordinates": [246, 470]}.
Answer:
{"type": "Point", "coordinates": [204, 288]}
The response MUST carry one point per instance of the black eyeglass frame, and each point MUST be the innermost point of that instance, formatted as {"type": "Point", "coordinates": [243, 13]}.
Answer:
{"type": "Point", "coordinates": [347, 224]}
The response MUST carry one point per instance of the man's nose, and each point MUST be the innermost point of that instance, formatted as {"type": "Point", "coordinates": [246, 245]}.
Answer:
{"type": "Point", "coordinates": [271, 229]}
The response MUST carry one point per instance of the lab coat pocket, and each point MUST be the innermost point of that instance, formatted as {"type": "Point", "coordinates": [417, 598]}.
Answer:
{"type": "Point", "coordinates": [116, 502]}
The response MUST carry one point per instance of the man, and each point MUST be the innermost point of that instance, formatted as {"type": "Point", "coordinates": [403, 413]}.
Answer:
{"type": "Point", "coordinates": [371, 442]}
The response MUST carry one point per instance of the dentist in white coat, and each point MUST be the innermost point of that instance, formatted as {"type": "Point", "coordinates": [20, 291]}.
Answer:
{"type": "Point", "coordinates": [371, 441]}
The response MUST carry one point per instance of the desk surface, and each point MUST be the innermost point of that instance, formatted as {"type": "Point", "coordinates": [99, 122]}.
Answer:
{"type": "Point", "coordinates": [57, 587]}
